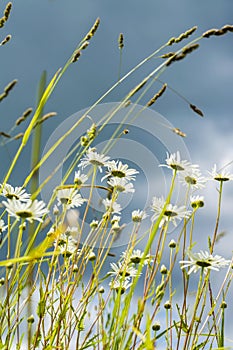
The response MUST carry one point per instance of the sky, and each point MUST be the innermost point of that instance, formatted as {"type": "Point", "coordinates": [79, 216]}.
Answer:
{"type": "Point", "coordinates": [44, 35]}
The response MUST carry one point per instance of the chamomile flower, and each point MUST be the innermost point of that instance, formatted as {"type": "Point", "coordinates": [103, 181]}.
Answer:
{"type": "Point", "coordinates": [95, 159]}
{"type": "Point", "coordinates": [221, 176]}
{"type": "Point", "coordinates": [114, 207]}
{"type": "Point", "coordinates": [138, 215]}
{"type": "Point", "coordinates": [70, 198]}
{"type": "Point", "coordinates": [18, 193]}
{"type": "Point", "coordinates": [120, 170]}
{"type": "Point", "coordinates": [174, 162]}
{"type": "Point", "coordinates": [205, 261]}
{"type": "Point", "coordinates": [80, 179]}
{"type": "Point", "coordinates": [197, 201]}
{"type": "Point", "coordinates": [120, 284]}
{"type": "Point", "coordinates": [123, 270]}
{"type": "Point", "coordinates": [136, 257]}
{"type": "Point", "coordinates": [121, 185]}
{"type": "Point", "coordinates": [66, 245]}
{"type": "Point", "coordinates": [192, 178]}
{"type": "Point", "coordinates": [172, 212]}
{"type": "Point", "coordinates": [3, 227]}
{"type": "Point", "coordinates": [30, 210]}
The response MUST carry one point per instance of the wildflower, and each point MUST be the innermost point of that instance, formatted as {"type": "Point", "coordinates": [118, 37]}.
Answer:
{"type": "Point", "coordinates": [203, 260]}
{"type": "Point", "coordinates": [101, 290]}
{"type": "Point", "coordinates": [94, 224]}
{"type": "Point", "coordinates": [123, 270]}
{"type": "Point", "coordinates": [66, 245]}
{"type": "Point", "coordinates": [121, 185]}
{"type": "Point", "coordinates": [30, 210]}
{"type": "Point", "coordinates": [138, 215]}
{"type": "Point", "coordinates": [192, 178]}
{"type": "Point", "coordinates": [70, 198]}
{"type": "Point", "coordinates": [114, 207]}
{"type": "Point", "coordinates": [197, 201]}
{"type": "Point", "coordinates": [118, 169]}
{"type": "Point", "coordinates": [3, 227]}
{"type": "Point", "coordinates": [163, 270]}
{"type": "Point", "coordinates": [156, 326]}
{"type": "Point", "coordinates": [55, 210]}
{"type": "Point", "coordinates": [172, 244]}
{"type": "Point", "coordinates": [167, 305]}
{"type": "Point", "coordinates": [120, 285]}
{"type": "Point", "coordinates": [136, 257]}
{"type": "Point", "coordinates": [175, 163]}
{"type": "Point", "coordinates": [171, 213]}
{"type": "Point", "coordinates": [80, 179]}
{"type": "Point", "coordinates": [91, 256]}
{"type": "Point", "coordinates": [94, 158]}
{"type": "Point", "coordinates": [18, 193]}
{"type": "Point", "coordinates": [223, 175]}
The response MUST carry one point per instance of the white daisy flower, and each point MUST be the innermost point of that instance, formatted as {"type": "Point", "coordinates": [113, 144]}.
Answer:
{"type": "Point", "coordinates": [120, 285]}
{"type": "Point", "coordinates": [205, 261]}
{"type": "Point", "coordinates": [172, 212]}
{"type": "Point", "coordinates": [192, 178]}
{"type": "Point", "coordinates": [138, 215]}
{"type": "Point", "coordinates": [18, 193]}
{"type": "Point", "coordinates": [174, 162]}
{"type": "Point", "coordinates": [118, 169]}
{"type": "Point", "coordinates": [197, 201]}
{"type": "Point", "coordinates": [94, 158]}
{"type": "Point", "coordinates": [67, 245]}
{"type": "Point", "coordinates": [223, 175]}
{"type": "Point", "coordinates": [121, 185]}
{"type": "Point", "coordinates": [136, 256]}
{"type": "Point", "coordinates": [30, 210]}
{"type": "Point", "coordinates": [3, 227]}
{"type": "Point", "coordinates": [114, 207]}
{"type": "Point", "coordinates": [80, 179]}
{"type": "Point", "coordinates": [123, 270]}
{"type": "Point", "coordinates": [70, 198]}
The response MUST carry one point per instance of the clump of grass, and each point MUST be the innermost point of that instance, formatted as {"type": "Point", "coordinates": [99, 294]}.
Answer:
{"type": "Point", "coordinates": [71, 290]}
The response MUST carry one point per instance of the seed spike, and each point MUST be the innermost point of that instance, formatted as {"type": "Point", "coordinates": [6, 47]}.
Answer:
{"type": "Point", "coordinates": [196, 110]}
{"type": "Point", "coordinates": [4, 41]}
{"type": "Point", "coordinates": [93, 29]}
{"type": "Point", "coordinates": [179, 132]}
{"type": "Point", "coordinates": [121, 41]}
{"type": "Point", "coordinates": [3, 133]}
{"type": "Point", "coordinates": [157, 95]}
{"type": "Point", "coordinates": [10, 86]}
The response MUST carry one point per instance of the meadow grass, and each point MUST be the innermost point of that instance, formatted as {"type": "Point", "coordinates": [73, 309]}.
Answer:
{"type": "Point", "coordinates": [62, 284]}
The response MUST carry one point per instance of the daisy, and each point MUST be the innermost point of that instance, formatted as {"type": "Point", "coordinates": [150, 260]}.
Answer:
{"type": "Point", "coordinates": [121, 185]}
{"type": "Point", "coordinates": [114, 207]}
{"type": "Point", "coordinates": [70, 198]}
{"type": "Point", "coordinates": [205, 261]}
{"type": "Point", "coordinates": [223, 175]}
{"type": "Point", "coordinates": [80, 179]}
{"type": "Point", "coordinates": [172, 212]}
{"type": "Point", "coordinates": [66, 245]}
{"type": "Point", "coordinates": [118, 169]}
{"type": "Point", "coordinates": [136, 257]}
{"type": "Point", "coordinates": [120, 285]}
{"type": "Point", "coordinates": [174, 162]}
{"type": "Point", "coordinates": [138, 215]}
{"type": "Point", "coordinates": [123, 270]}
{"type": "Point", "coordinates": [197, 201]}
{"type": "Point", "coordinates": [3, 227]}
{"type": "Point", "coordinates": [19, 193]}
{"type": "Point", "coordinates": [94, 158]}
{"type": "Point", "coordinates": [30, 210]}
{"type": "Point", "coordinates": [192, 178]}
